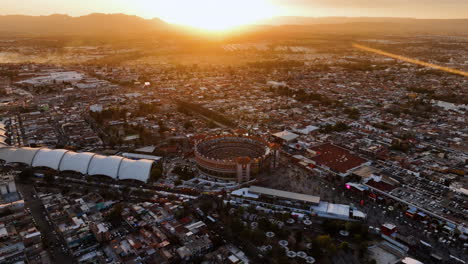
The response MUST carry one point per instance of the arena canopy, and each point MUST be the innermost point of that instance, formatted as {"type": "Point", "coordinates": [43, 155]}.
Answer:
{"type": "Point", "coordinates": [21, 155]}
{"type": "Point", "coordinates": [49, 158]}
{"type": "Point", "coordinates": [5, 153]}
{"type": "Point", "coordinates": [135, 170]}
{"type": "Point", "coordinates": [86, 163]}
{"type": "Point", "coordinates": [77, 162]}
{"type": "Point", "coordinates": [105, 165]}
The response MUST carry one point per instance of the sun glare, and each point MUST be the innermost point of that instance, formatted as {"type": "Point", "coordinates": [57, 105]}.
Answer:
{"type": "Point", "coordinates": [214, 14]}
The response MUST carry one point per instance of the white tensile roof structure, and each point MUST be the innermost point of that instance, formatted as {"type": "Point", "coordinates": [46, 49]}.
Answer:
{"type": "Point", "coordinates": [86, 163]}
{"type": "Point", "coordinates": [49, 158]}
{"type": "Point", "coordinates": [5, 153]}
{"type": "Point", "coordinates": [78, 162]}
{"type": "Point", "coordinates": [135, 169]}
{"type": "Point", "coordinates": [20, 155]}
{"type": "Point", "coordinates": [105, 165]}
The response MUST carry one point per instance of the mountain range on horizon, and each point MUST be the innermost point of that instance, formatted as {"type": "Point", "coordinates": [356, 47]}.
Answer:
{"type": "Point", "coordinates": [98, 23]}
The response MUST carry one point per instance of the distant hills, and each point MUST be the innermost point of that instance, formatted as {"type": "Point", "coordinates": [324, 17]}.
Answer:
{"type": "Point", "coordinates": [92, 24]}
{"type": "Point", "coordinates": [375, 23]}
{"type": "Point", "coordinates": [121, 24]}
{"type": "Point", "coordinates": [299, 20]}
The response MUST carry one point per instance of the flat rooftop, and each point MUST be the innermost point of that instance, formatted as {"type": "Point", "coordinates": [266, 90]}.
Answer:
{"type": "Point", "coordinates": [285, 194]}
{"type": "Point", "coordinates": [286, 135]}
{"type": "Point", "coordinates": [336, 158]}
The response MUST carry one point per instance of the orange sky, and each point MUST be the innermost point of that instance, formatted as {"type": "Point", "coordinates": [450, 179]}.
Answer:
{"type": "Point", "coordinates": [165, 8]}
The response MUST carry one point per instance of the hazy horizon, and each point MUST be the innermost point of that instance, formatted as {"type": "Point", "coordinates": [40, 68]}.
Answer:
{"type": "Point", "coordinates": [224, 14]}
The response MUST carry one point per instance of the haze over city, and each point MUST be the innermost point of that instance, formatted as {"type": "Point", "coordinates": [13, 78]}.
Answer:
{"type": "Point", "coordinates": [222, 14]}
{"type": "Point", "coordinates": [229, 132]}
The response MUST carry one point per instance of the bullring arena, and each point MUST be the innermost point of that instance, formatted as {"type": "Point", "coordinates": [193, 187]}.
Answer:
{"type": "Point", "coordinates": [238, 158]}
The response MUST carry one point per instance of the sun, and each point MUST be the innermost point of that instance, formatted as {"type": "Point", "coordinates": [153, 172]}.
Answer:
{"type": "Point", "coordinates": [214, 14]}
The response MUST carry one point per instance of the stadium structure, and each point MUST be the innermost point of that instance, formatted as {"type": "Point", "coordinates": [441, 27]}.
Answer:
{"type": "Point", "coordinates": [86, 163]}
{"type": "Point", "coordinates": [239, 158]}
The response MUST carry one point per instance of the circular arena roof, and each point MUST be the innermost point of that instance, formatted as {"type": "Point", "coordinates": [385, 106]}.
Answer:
{"type": "Point", "coordinates": [229, 148]}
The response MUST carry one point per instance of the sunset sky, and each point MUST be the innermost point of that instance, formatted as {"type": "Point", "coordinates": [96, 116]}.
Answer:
{"type": "Point", "coordinates": [204, 12]}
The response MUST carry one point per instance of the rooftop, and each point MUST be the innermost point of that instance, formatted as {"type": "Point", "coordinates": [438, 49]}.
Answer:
{"type": "Point", "coordinates": [336, 158]}
{"type": "Point", "coordinates": [286, 135]}
{"type": "Point", "coordinates": [285, 194]}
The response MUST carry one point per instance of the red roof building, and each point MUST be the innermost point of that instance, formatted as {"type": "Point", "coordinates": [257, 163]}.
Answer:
{"type": "Point", "coordinates": [337, 159]}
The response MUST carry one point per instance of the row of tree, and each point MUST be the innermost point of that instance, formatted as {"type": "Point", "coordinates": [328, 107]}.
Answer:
{"type": "Point", "coordinates": [191, 107]}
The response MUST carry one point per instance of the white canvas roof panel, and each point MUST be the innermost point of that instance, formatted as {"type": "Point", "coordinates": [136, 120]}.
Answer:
{"type": "Point", "coordinates": [78, 162]}
{"type": "Point", "coordinates": [49, 158]}
{"type": "Point", "coordinates": [22, 155]}
{"type": "Point", "coordinates": [135, 169]}
{"type": "Point", "coordinates": [86, 162]}
{"type": "Point", "coordinates": [103, 165]}
{"type": "Point", "coordinates": [5, 153]}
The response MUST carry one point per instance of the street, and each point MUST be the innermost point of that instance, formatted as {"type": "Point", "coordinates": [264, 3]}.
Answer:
{"type": "Point", "coordinates": [39, 214]}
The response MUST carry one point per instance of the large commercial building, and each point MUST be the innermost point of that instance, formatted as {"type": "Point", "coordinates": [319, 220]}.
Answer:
{"type": "Point", "coordinates": [336, 159]}
{"type": "Point", "coordinates": [295, 202]}
{"type": "Point", "coordinates": [231, 157]}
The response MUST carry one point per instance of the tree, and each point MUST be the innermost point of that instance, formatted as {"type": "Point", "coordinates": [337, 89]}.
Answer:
{"type": "Point", "coordinates": [331, 226]}
{"type": "Point", "coordinates": [399, 146]}
{"type": "Point", "coordinates": [49, 179]}
{"type": "Point", "coordinates": [25, 175]}
{"type": "Point", "coordinates": [257, 237]}
{"type": "Point", "coordinates": [299, 237]}
{"type": "Point", "coordinates": [245, 234]}
{"type": "Point", "coordinates": [177, 182]}
{"type": "Point", "coordinates": [352, 113]}
{"type": "Point", "coordinates": [156, 172]}
{"type": "Point", "coordinates": [344, 246]}
{"type": "Point", "coordinates": [185, 173]}
{"type": "Point", "coordinates": [115, 215]}
{"type": "Point", "coordinates": [362, 248]}
{"type": "Point", "coordinates": [188, 125]}
{"type": "Point", "coordinates": [162, 127]}
{"type": "Point", "coordinates": [236, 226]}
{"type": "Point", "coordinates": [211, 124]}
{"type": "Point", "coordinates": [206, 205]}
{"type": "Point", "coordinates": [278, 254]}
{"type": "Point", "coordinates": [326, 244]}
{"type": "Point", "coordinates": [324, 241]}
